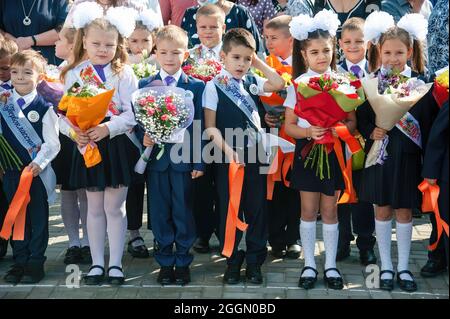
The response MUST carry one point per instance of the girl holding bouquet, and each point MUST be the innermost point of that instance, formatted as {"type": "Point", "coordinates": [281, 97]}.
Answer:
{"type": "Point", "coordinates": [391, 184]}
{"type": "Point", "coordinates": [314, 55]}
{"type": "Point", "coordinates": [101, 38]}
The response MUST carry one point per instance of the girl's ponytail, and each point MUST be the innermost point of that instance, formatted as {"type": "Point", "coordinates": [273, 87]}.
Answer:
{"type": "Point", "coordinates": [418, 59]}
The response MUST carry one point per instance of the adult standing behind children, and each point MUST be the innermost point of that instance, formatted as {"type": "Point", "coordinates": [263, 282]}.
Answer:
{"type": "Point", "coordinates": [173, 10]}
{"type": "Point", "coordinates": [32, 23]}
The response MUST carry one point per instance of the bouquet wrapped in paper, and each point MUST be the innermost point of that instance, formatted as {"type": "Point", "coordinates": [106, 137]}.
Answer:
{"type": "Point", "coordinates": [201, 66]}
{"type": "Point", "coordinates": [8, 158]}
{"type": "Point", "coordinates": [51, 87]}
{"type": "Point", "coordinates": [440, 90]}
{"type": "Point", "coordinates": [324, 101]}
{"type": "Point", "coordinates": [164, 113]}
{"type": "Point", "coordinates": [391, 96]}
{"type": "Point", "coordinates": [85, 106]}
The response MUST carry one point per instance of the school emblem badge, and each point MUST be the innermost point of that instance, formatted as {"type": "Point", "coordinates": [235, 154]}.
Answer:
{"type": "Point", "coordinates": [33, 116]}
{"type": "Point", "coordinates": [254, 89]}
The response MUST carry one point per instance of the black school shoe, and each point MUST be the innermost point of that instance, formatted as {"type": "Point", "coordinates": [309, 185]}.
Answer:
{"type": "Point", "coordinates": [15, 274]}
{"type": "Point", "coordinates": [367, 257]}
{"type": "Point", "coordinates": [95, 280]}
{"type": "Point", "coordinates": [387, 284]}
{"type": "Point", "coordinates": [293, 251]}
{"type": "Point", "coordinates": [86, 258]}
{"type": "Point", "coordinates": [116, 280]}
{"type": "Point", "coordinates": [335, 283]}
{"type": "Point", "coordinates": [3, 247]}
{"type": "Point", "coordinates": [307, 282]}
{"type": "Point", "coordinates": [166, 275]}
{"type": "Point", "coordinates": [73, 255]}
{"type": "Point", "coordinates": [406, 285]}
{"type": "Point", "coordinates": [182, 276]}
{"type": "Point", "coordinates": [253, 274]}
{"type": "Point", "coordinates": [433, 268]}
{"type": "Point", "coordinates": [201, 246]}
{"type": "Point", "coordinates": [232, 274]}
{"type": "Point", "coordinates": [33, 274]}
{"type": "Point", "coordinates": [140, 251]}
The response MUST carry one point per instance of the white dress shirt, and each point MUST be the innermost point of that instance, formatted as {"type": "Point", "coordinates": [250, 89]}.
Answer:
{"type": "Point", "coordinates": [291, 99]}
{"type": "Point", "coordinates": [211, 98]}
{"type": "Point", "coordinates": [287, 60]}
{"type": "Point", "coordinates": [124, 84]}
{"type": "Point", "coordinates": [50, 129]}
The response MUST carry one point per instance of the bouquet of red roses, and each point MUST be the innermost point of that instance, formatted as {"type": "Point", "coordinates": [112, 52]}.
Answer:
{"type": "Point", "coordinates": [324, 101]}
{"type": "Point", "coordinates": [201, 66]}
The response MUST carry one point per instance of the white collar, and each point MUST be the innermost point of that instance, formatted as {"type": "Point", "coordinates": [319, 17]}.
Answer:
{"type": "Point", "coordinates": [406, 72]}
{"type": "Point", "coordinates": [288, 60]}
{"type": "Point", "coordinates": [225, 73]}
{"type": "Point", "coordinates": [216, 49]}
{"type": "Point", "coordinates": [176, 76]}
{"type": "Point", "coordinates": [361, 64]}
{"type": "Point", "coordinates": [28, 98]}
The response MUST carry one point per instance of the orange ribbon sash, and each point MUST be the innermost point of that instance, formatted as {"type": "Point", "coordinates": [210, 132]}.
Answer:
{"type": "Point", "coordinates": [17, 211]}
{"type": "Point", "coordinates": [430, 197]}
{"type": "Point", "coordinates": [236, 180]}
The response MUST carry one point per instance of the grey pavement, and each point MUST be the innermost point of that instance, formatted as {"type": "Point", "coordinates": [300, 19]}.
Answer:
{"type": "Point", "coordinates": [280, 276]}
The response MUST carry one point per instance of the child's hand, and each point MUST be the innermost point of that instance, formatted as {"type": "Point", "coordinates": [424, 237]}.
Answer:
{"type": "Point", "coordinates": [148, 141]}
{"type": "Point", "coordinates": [98, 133]}
{"type": "Point", "coordinates": [271, 120]}
{"type": "Point", "coordinates": [81, 138]}
{"type": "Point", "coordinates": [431, 181]}
{"type": "Point", "coordinates": [378, 134]}
{"type": "Point", "coordinates": [196, 174]}
{"type": "Point", "coordinates": [316, 132]}
{"type": "Point", "coordinates": [333, 131]}
{"type": "Point", "coordinates": [256, 61]}
{"type": "Point", "coordinates": [34, 168]}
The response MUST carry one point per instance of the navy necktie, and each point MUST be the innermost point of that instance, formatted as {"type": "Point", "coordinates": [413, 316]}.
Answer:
{"type": "Point", "coordinates": [357, 71]}
{"type": "Point", "coordinates": [169, 80]}
{"type": "Point", "coordinates": [6, 86]}
{"type": "Point", "coordinates": [21, 102]}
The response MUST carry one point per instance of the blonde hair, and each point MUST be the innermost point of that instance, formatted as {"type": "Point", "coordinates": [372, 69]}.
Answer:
{"type": "Point", "coordinates": [7, 47]}
{"type": "Point", "coordinates": [37, 60]}
{"type": "Point", "coordinates": [211, 10]}
{"type": "Point", "coordinates": [353, 24]}
{"type": "Point", "coordinates": [280, 23]}
{"type": "Point", "coordinates": [120, 58]}
{"type": "Point", "coordinates": [172, 33]}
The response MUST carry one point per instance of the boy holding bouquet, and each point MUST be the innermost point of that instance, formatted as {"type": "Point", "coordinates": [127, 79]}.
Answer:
{"type": "Point", "coordinates": [171, 182]}
{"type": "Point", "coordinates": [359, 214]}
{"type": "Point", "coordinates": [284, 206]}
{"type": "Point", "coordinates": [30, 126]}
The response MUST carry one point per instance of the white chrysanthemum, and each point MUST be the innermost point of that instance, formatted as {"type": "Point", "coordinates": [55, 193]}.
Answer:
{"type": "Point", "coordinates": [415, 24]}
{"type": "Point", "coordinates": [327, 20]}
{"type": "Point", "coordinates": [150, 19]}
{"type": "Point", "coordinates": [124, 19]}
{"type": "Point", "coordinates": [85, 13]}
{"type": "Point", "coordinates": [377, 23]}
{"type": "Point", "coordinates": [300, 26]}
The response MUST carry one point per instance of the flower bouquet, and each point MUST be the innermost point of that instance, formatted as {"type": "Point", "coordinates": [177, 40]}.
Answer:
{"type": "Point", "coordinates": [391, 96]}
{"type": "Point", "coordinates": [324, 101]}
{"type": "Point", "coordinates": [8, 158]}
{"type": "Point", "coordinates": [164, 113]}
{"type": "Point", "coordinates": [51, 87]}
{"type": "Point", "coordinates": [85, 106]}
{"type": "Point", "coordinates": [144, 68]}
{"type": "Point", "coordinates": [440, 90]}
{"type": "Point", "coordinates": [202, 67]}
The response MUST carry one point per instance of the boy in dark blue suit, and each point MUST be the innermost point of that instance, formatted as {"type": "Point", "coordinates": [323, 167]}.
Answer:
{"type": "Point", "coordinates": [170, 182]}
{"type": "Point", "coordinates": [359, 214]}
{"type": "Point", "coordinates": [30, 126]}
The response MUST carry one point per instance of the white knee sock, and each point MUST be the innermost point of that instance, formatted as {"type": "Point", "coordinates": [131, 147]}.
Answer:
{"type": "Point", "coordinates": [96, 226]}
{"type": "Point", "coordinates": [330, 240]}
{"type": "Point", "coordinates": [117, 225]}
{"type": "Point", "coordinates": [404, 233]}
{"type": "Point", "coordinates": [383, 231]}
{"type": "Point", "coordinates": [308, 237]}
{"type": "Point", "coordinates": [71, 216]}
{"type": "Point", "coordinates": [82, 200]}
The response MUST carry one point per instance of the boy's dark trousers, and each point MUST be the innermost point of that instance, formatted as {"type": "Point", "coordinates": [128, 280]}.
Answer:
{"type": "Point", "coordinates": [205, 200]}
{"type": "Point", "coordinates": [253, 206]}
{"type": "Point", "coordinates": [170, 201]}
{"type": "Point", "coordinates": [31, 250]}
{"type": "Point", "coordinates": [361, 215]}
{"type": "Point", "coordinates": [284, 216]}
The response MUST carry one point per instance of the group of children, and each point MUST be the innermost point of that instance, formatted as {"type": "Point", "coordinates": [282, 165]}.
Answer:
{"type": "Point", "coordinates": [189, 201]}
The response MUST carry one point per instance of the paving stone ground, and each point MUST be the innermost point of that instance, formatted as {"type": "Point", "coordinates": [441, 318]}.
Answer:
{"type": "Point", "coordinates": [280, 276]}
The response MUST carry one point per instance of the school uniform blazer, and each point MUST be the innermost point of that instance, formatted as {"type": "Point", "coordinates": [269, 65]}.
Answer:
{"type": "Point", "coordinates": [196, 87]}
{"type": "Point", "coordinates": [436, 159]}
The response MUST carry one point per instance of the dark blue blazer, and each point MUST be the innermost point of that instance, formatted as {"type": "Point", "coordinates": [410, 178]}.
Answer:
{"type": "Point", "coordinates": [196, 87]}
